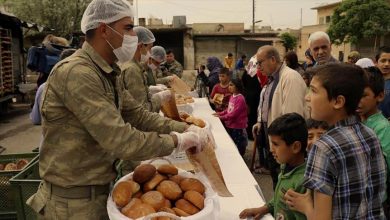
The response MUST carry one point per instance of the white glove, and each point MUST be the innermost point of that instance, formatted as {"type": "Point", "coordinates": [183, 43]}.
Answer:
{"type": "Point", "coordinates": [187, 140]}
{"type": "Point", "coordinates": [204, 134]}
{"type": "Point", "coordinates": [256, 129]}
{"type": "Point", "coordinates": [162, 86]}
{"type": "Point", "coordinates": [155, 89]}
{"type": "Point", "coordinates": [164, 96]}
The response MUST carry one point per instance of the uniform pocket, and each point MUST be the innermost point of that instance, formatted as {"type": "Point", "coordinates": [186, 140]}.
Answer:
{"type": "Point", "coordinates": [38, 202]}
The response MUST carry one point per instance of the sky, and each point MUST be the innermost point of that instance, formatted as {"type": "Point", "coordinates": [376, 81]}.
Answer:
{"type": "Point", "coordinates": [275, 13]}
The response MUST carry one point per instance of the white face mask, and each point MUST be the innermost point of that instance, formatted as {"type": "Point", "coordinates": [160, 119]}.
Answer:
{"type": "Point", "coordinates": [125, 52]}
{"type": "Point", "coordinates": [152, 66]}
{"type": "Point", "coordinates": [145, 58]}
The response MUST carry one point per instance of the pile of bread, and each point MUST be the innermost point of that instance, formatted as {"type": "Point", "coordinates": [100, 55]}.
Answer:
{"type": "Point", "coordinates": [189, 119]}
{"type": "Point", "coordinates": [17, 165]}
{"type": "Point", "coordinates": [183, 99]}
{"type": "Point", "coordinates": [154, 190]}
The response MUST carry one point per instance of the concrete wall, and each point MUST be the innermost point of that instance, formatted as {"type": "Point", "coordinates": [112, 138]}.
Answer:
{"type": "Point", "coordinates": [188, 51]}
{"type": "Point", "coordinates": [326, 11]}
{"type": "Point", "coordinates": [214, 46]}
{"type": "Point", "coordinates": [201, 28]}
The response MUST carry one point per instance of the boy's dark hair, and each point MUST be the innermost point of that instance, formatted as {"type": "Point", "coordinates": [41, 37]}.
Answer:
{"type": "Point", "coordinates": [342, 79]}
{"type": "Point", "coordinates": [292, 59]}
{"type": "Point", "coordinates": [243, 56]}
{"type": "Point", "coordinates": [290, 127]}
{"type": "Point", "coordinates": [311, 123]}
{"type": "Point", "coordinates": [238, 84]}
{"type": "Point", "coordinates": [225, 71]}
{"type": "Point", "coordinates": [375, 80]}
{"type": "Point", "coordinates": [384, 49]}
{"type": "Point", "coordinates": [230, 54]}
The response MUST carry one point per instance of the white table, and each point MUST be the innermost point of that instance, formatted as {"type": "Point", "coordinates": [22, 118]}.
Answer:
{"type": "Point", "coordinates": [239, 180]}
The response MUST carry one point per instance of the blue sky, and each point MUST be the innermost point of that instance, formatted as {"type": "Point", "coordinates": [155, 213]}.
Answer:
{"type": "Point", "coordinates": [277, 13]}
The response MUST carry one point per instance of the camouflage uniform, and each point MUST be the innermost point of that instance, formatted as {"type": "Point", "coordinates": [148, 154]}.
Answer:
{"type": "Point", "coordinates": [159, 78]}
{"type": "Point", "coordinates": [88, 121]}
{"type": "Point", "coordinates": [173, 68]}
{"type": "Point", "coordinates": [136, 82]}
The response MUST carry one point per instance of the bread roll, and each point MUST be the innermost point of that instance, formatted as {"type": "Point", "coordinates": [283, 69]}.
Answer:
{"type": "Point", "coordinates": [140, 210]}
{"type": "Point", "coordinates": [190, 120]}
{"type": "Point", "coordinates": [21, 164]}
{"type": "Point", "coordinates": [192, 184]}
{"type": "Point", "coordinates": [186, 206]}
{"type": "Point", "coordinates": [168, 210]}
{"type": "Point", "coordinates": [170, 190]}
{"type": "Point", "coordinates": [154, 198]}
{"type": "Point", "coordinates": [180, 212]}
{"type": "Point", "coordinates": [122, 193]}
{"type": "Point", "coordinates": [199, 122]}
{"type": "Point", "coordinates": [176, 178]}
{"type": "Point", "coordinates": [10, 167]}
{"type": "Point", "coordinates": [134, 186]}
{"type": "Point", "coordinates": [195, 198]}
{"type": "Point", "coordinates": [167, 204]}
{"type": "Point", "coordinates": [143, 173]}
{"type": "Point", "coordinates": [151, 184]}
{"type": "Point", "coordinates": [167, 169]}
{"type": "Point", "coordinates": [129, 206]}
{"type": "Point", "coordinates": [138, 194]}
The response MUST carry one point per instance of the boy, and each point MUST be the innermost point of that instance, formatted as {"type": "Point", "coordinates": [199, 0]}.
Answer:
{"type": "Point", "coordinates": [383, 63]}
{"type": "Point", "coordinates": [345, 168]}
{"type": "Point", "coordinates": [370, 114]}
{"type": "Point", "coordinates": [315, 130]}
{"type": "Point", "coordinates": [288, 135]}
{"type": "Point", "coordinates": [220, 94]}
{"type": "Point", "coordinates": [201, 82]}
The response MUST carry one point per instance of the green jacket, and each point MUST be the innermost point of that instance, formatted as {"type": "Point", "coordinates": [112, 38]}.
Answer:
{"type": "Point", "coordinates": [90, 120]}
{"type": "Point", "coordinates": [136, 82]}
{"type": "Point", "coordinates": [173, 68]}
{"type": "Point", "coordinates": [291, 180]}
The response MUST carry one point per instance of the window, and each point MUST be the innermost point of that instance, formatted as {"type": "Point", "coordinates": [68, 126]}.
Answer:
{"type": "Point", "coordinates": [327, 19]}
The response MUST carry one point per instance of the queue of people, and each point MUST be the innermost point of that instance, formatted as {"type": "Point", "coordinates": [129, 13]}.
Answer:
{"type": "Point", "coordinates": [100, 105]}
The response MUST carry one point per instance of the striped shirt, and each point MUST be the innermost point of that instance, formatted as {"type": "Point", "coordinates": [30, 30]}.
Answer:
{"type": "Point", "coordinates": [347, 163]}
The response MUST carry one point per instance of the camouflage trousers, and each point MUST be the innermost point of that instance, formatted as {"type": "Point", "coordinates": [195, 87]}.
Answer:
{"type": "Point", "coordinates": [49, 206]}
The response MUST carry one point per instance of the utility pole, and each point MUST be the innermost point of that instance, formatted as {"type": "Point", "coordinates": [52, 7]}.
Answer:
{"type": "Point", "coordinates": [253, 16]}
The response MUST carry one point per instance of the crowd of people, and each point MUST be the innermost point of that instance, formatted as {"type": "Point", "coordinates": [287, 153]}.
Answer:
{"type": "Point", "coordinates": [321, 128]}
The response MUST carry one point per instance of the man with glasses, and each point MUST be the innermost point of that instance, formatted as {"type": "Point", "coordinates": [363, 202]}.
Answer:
{"type": "Point", "coordinates": [284, 93]}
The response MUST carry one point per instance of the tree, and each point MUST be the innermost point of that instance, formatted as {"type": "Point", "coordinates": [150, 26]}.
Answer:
{"type": "Point", "coordinates": [62, 16]}
{"type": "Point", "coordinates": [289, 41]}
{"type": "Point", "coordinates": [355, 20]}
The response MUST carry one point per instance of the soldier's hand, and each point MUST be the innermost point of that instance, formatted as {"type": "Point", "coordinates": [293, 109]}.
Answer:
{"type": "Point", "coordinates": [256, 129]}
{"type": "Point", "coordinates": [172, 78]}
{"type": "Point", "coordinates": [155, 89]}
{"type": "Point", "coordinates": [205, 134]}
{"type": "Point", "coordinates": [187, 140]}
{"type": "Point", "coordinates": [164, 96]}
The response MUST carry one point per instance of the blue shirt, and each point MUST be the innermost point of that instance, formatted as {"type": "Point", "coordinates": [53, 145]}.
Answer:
{"type": "Point", "coordinates": [347, 163]}
{"type": "Point", "coordinates": [35, 114]}
{"type": "Point", "coordinates": [384, 106]}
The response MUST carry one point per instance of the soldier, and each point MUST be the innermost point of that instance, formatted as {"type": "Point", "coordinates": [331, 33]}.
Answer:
{"type": "Point", "coordinates": [135, 77]}
{"type": "Point", "coordinates": [157, 56]}
{"type": "Point", "coordinates": [90, 120]}
{"type": "Point", "coordinates": [172, 66]}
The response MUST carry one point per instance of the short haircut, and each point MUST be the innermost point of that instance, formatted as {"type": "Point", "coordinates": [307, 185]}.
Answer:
{"type": "Point", "coordinates": [342, 79]}
{"type": "Point", "coordinates": [311, 123]}
{"type": "Point", "coordinates": [243, 56]}
{"type": "Point", "coordinates": [230, 54]}
{"type": "Point", "coordinates": [238, 84]}
{"type": "Point", "coordinates": [203, 67]}
{"type": "Point", "coordinates": [375, 80]}
{"type": "Point", "coordinates": [290, 127]}
{"type": "Point", "coordinates": [169, 51]}
{"type": "Point", "coordinates": [384, 49]}
{"type": "Point", "coordinates": [318, 35]}
{"type": "Point", "coordinates": [292, 58]}
{"type": "Point", "coordinates": [225, 71]}
{"type": "Point", "coordinates": [271, 51]}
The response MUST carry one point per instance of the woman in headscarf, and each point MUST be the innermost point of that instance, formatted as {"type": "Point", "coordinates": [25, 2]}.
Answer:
{"type": "Point", "coordinates": [214, 65]}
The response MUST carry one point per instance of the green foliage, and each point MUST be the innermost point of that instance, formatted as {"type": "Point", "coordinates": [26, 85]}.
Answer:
{"type": "Point", "coordinates": [62, 16]}
{"type": "Point", "coordinates": [289, 41]}
{"type": "Point", "coordinates": [354, 20]}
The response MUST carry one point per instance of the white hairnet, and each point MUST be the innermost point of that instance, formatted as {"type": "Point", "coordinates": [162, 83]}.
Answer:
{"type": "Point", "coordinates": [144, 35]}
{"type": "Point", "coordinates": [365, 63]}
{"type": "Point", "coordinates": [158, 53]}
{"type": "Point", "coordinates": [104, 11]}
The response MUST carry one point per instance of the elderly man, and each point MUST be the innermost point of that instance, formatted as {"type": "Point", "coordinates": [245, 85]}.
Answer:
{"type": "Point", "coordinates": [284, 93]}
{"type": "Point", "coordinates": [90, 120]}
{"type": "Point", "coordinates": [135, 77]}
{"type": "Point", "coordinates": [321, 48]}
{"type": "Point", "coordinates": [172, 66]}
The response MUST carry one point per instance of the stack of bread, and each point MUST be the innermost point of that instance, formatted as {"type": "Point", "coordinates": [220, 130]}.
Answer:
{"type": "Point", "coordinates": [161, 189]}
{"type": "Point", "coordinates": [17, 165]}
{"type": "Point", "coordinates": [183, 99]}
{"type": "Point", "coordinates": [189, 119]}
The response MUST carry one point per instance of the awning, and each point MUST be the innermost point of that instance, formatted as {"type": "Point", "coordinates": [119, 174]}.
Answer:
{"type": "Point", "coordinates": [262, 39]}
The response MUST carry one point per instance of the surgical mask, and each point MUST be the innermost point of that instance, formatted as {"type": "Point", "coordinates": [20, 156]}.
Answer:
{"type": "Point", "coordinates": [152, 66]}
{"type": "Point", "coordinates": [125, 52]}
{"type": "Point", "coordinates": [145, 58]}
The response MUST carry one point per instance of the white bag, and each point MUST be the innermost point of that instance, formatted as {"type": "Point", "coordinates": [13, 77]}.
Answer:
{"type": "Point", "coordinates": [210, 211]}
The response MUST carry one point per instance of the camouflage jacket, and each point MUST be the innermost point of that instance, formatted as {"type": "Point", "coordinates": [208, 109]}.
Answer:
{"type": "Point", "coordinates": [136, 82]}
{"type": "Point", "coordinates": [90, 120]}
{"type": "Point", "coordinates": [173, 68]}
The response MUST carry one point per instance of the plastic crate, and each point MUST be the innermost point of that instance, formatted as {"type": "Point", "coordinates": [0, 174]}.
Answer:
{"type": "Point", "coordinates": [24, 185]}
{"type": "Point", "coordinates": [7, 198]}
